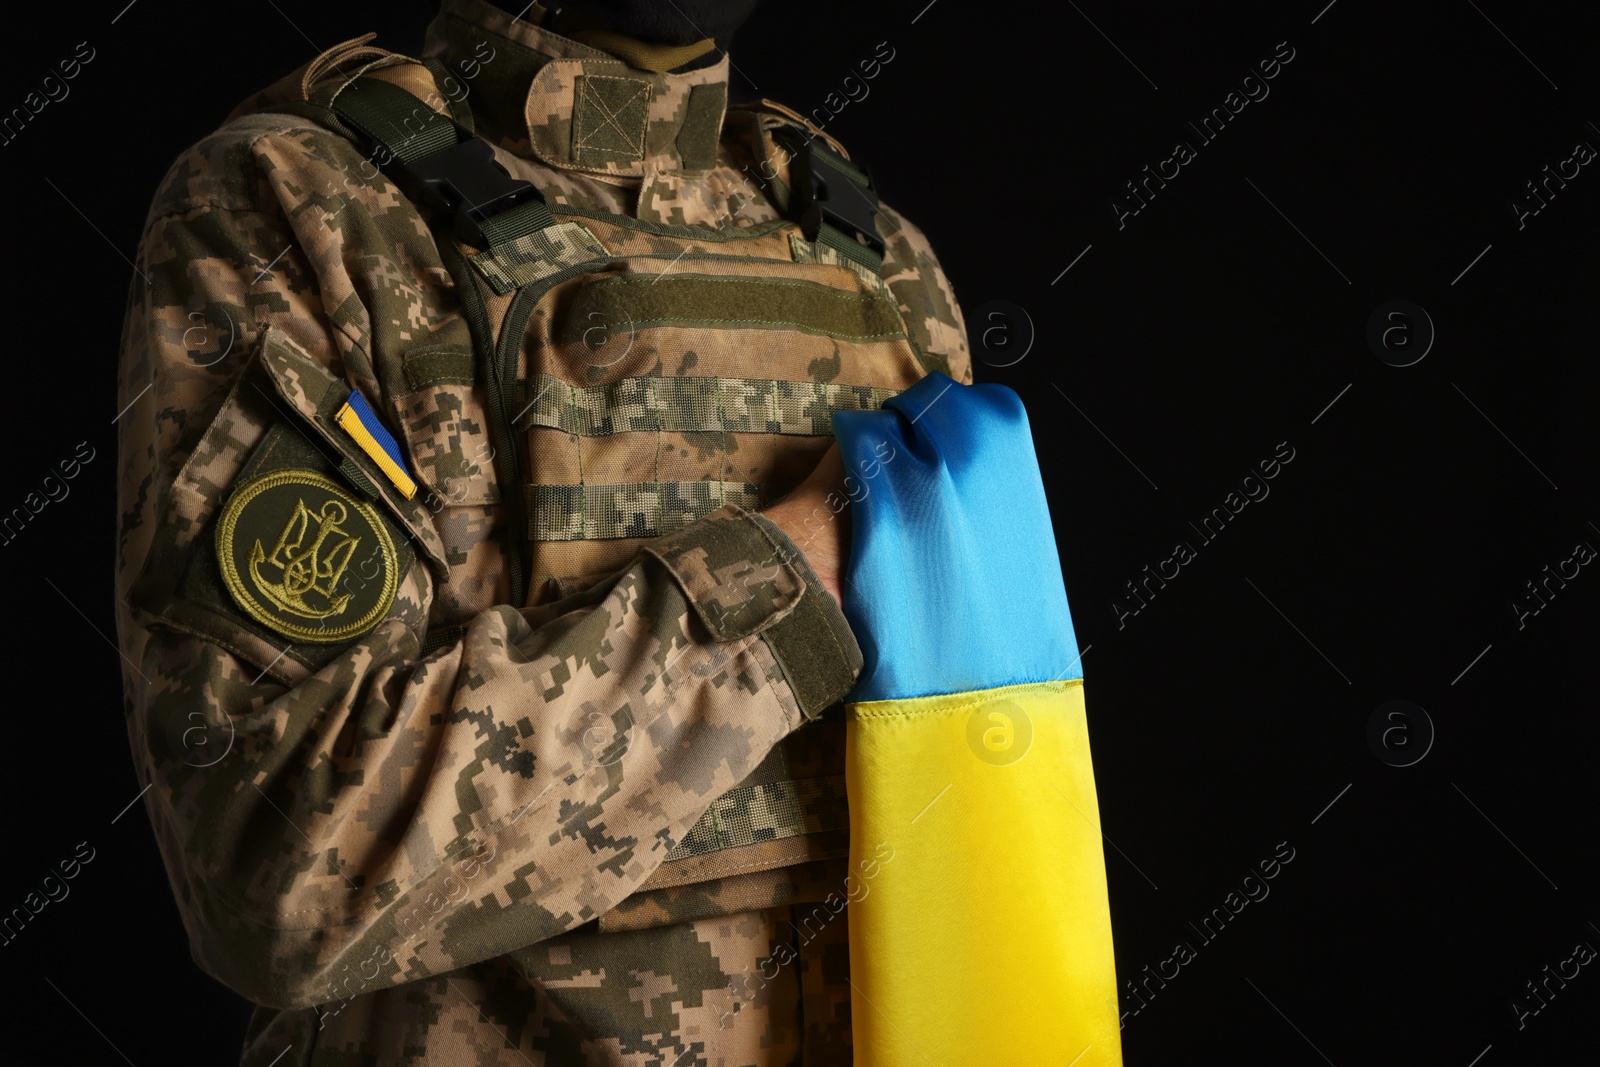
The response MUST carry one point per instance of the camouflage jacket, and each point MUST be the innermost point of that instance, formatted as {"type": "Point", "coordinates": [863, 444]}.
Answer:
{"type": "Point", "coordinates": [412, 820]}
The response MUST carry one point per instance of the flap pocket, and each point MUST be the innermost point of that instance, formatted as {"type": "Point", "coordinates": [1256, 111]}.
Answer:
{"type": "Point", "coordinates": [316, 396]}
{"type": "Point", "coordinates": [280, 539]}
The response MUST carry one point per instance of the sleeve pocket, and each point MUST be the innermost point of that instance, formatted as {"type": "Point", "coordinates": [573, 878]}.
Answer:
{"type": "Point", "coordinates": [281, 540]}
{"type": "Point", "coordinates": [315, 395]}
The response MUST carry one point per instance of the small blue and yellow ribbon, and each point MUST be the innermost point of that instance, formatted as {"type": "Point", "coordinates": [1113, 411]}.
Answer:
{"type": "Point", "coordinates": [358, 420]}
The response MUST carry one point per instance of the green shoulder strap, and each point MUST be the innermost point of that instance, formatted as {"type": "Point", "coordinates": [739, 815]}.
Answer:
{"type": "Point", "coordinates": [441, 166]}
{"type": "Point", "coordinates": [834, 201]}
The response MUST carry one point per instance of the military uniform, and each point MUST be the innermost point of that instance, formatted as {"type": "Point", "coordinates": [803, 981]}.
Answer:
{"type": "Point", "coordinates": [485, 719]}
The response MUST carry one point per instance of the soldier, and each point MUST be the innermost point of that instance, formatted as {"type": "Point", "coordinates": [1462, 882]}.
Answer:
{"type": "Point", "coordinates": [477, 568]}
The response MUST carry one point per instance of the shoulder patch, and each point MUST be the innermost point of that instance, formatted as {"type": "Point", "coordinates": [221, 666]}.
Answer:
{"type": "Point", "coordinates": [304, 557]}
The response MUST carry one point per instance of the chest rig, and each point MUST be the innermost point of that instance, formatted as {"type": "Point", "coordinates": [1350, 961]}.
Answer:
{"type": "Point", "coordinates": [636, 375]}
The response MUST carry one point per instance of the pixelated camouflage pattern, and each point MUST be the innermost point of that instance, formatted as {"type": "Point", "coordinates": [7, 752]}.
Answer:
{"type": "Point", "coordinates": [765, 812]}
{"type": "Point", "coordinates": [763, 459]}
{"type": "Point", "coordinates": [720, 199]}
{"type": "Point", "coordinates": [405, 851]}
{"type": "Point", "coordinates": [448, 430]}
{"type": "Point", "coordinates": [805, 762]}
{"type": "Point", "coordinates": [590, 112]}
{"type": "Point", "coordinates": [805, 251]}
{"type": "Point", "coordinates": [598, 510]}
{"type": "Point", "coordinates": [734, 590]}
{"type": "Point", "coordinates": [794, 882]}
{"type": "Point", "coordinates": [927, 303]}
{"type": "Point", "coordinates": [711, 992]}
{"type": "Point", "coordinates": [536, 256]}
{"type": "Point", "coordinates": [765, 242]}
{"type": "Point", "coordinates": [575, 347]}
{"type": "Point", "coordinates": [652, 403]}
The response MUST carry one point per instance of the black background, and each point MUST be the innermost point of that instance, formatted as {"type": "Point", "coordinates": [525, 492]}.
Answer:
{"type": "Point", "coordinates": [1222, 319]}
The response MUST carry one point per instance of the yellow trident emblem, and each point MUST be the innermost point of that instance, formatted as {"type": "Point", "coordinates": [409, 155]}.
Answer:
{"type": "Point", "coordinates": [307, 569]}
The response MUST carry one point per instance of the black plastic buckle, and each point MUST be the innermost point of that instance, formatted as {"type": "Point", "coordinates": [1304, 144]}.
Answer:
{"type": "Point", "coordinates": [468, 183]}
{"type": "Point", "coordinates": [826, 193]}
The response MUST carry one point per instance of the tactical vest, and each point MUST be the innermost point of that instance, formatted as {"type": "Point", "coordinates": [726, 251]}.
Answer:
{"type": "Point", "coordinates": [635, 376]}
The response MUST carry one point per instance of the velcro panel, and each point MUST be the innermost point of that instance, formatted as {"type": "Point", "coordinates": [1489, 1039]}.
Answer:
{"type": "Point", "coordinates": [608, 119]}
{"type": "Point", "coordinates": [633, 301]}
{"type": "Point", "coordinates": [702, 126]}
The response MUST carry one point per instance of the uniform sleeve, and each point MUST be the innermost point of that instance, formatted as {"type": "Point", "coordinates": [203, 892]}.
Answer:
{"type": "Point", "coordinates": [336, 819]}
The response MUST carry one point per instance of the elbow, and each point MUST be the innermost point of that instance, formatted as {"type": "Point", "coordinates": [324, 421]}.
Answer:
{"type": "Point", "coordinates": [286, 953]}
{"type": "Point", "coordinates": [264, 966]}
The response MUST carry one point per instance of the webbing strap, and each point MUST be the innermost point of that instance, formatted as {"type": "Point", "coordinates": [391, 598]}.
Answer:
{"type": "Point", "coordinates": [838, 163]}
{"type": "Point", "coordinates": [688, 404]}
{"type": "Point", "coordinates": [589, 511]}
{"type": "Point", "coordinates": [850, 248]}
{"type": "Point", "coordinates": [518, 222]}
{"type": "Point", "coordinates": [834, 201]}
{"type": "Point", "coordinates": [440, 163]}
{"type": "Point", "coordinates": [388, 115]}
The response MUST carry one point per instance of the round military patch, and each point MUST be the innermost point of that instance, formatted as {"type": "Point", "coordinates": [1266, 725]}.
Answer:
{"type": "Point", "coordinates": [302, 556]}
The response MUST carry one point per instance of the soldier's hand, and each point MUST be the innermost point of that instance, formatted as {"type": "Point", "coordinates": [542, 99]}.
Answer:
{"type": "Point", "coordinates": [816, 518]}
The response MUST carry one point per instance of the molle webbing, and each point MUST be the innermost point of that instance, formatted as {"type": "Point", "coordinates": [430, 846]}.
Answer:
{"type": "Point", "coordinates": [593, 512]}
{"type": "Point", "coordinates": [650, 404]}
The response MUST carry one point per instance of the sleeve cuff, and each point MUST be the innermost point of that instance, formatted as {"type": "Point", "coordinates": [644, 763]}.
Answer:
{"type": "Point", "coordinates": [744, 576]}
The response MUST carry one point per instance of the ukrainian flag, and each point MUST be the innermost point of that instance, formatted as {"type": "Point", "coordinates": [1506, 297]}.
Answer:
{"type": "Point", "coordinates": [980, 931]}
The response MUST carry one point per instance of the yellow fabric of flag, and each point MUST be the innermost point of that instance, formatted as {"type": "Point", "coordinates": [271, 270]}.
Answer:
{"type": "Point", "coordinates": [983, 935]}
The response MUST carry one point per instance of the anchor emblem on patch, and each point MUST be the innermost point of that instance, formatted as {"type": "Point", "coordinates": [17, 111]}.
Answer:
{"type": "Point", "coordinates": [332, 571]}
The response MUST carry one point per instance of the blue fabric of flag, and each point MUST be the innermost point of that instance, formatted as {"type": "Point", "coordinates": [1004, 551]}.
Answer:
{"type": "Point", "coordinates": [954, 583]}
